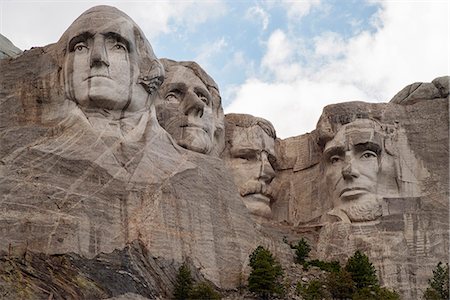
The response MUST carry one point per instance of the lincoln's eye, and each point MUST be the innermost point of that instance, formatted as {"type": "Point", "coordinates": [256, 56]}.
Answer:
{"type": "Point", "coordinates": [368, 154]}
{"type": "Point", "coordinates": [335, 159]}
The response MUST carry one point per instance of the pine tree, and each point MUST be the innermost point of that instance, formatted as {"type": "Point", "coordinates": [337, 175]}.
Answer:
{"type": "Point", "coordinates": [203, 290]}
{"type": "Point", "coordinates": [340, 284]}
{"type": "Point", "coordinates": [302, 250]}
{"type": "Point", "coordinates": [438, 284]}
{"type": "Point", "coordinates": [264, 277]}
{"type": "Point", "coordinates": [362, 271]}
{"type": "Point", "coordinates": [183, 283]}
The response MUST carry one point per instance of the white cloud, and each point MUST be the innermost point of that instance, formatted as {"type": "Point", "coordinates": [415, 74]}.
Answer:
{"type": "Point", "coordinates": [279, 57]}
{"type": "Point", "coordinates": [38, 23]}
{"type": "Point", "coordinates": [300, 8]}
{"type": "Point", "coordinates": [329, 45]}
{"type": "Point", "coordinates": [411, 44]}
{"type": "Point", "coordinates": [209, 50]}
{"type": "Point", "coordinates": [291, 107]}
{"type": "Point", "coordinates": [257, 12]}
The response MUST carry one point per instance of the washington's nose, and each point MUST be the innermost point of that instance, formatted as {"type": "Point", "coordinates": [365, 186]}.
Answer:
{"type": "Point", "coordinates": [267, 172]}
{"type": "Point", "coordinates": [192, 105]}
{"type": "Point", "coordinates": [349, 172]}
{"type": "Point", "coordinates": [98, 55]}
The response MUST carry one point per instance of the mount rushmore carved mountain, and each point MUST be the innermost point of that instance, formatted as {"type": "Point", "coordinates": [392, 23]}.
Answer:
{"type": "Point", "coordinates": [117, 167]}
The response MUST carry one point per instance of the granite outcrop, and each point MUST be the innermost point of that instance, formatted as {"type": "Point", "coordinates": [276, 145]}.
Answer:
{"type": "Point", "coordinates": [117, 167]}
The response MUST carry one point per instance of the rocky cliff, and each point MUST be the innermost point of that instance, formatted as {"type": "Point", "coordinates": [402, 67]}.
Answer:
{"type": "Point", "coordinates": [99, 201]}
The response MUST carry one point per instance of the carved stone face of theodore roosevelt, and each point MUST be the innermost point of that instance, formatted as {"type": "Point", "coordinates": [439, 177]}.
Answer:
{"type": "Point", "coordinates": [250, 155]}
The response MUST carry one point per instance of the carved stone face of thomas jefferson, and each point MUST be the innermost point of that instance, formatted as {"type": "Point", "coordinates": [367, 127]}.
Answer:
{"type": "Point", "coordinates": [185, 110]}
{"type": "Point", "coordinates": [352, 166]}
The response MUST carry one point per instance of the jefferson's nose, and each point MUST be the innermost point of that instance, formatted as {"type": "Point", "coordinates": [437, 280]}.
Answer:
{"type": "Point", "coordinates": [192, 105]}
{"type": "Point", "coordinates": [98, 54]}
{"type": "Point", "coordinates": [267, 172]}
{"type": "Point", "coordinates": [349, 172]}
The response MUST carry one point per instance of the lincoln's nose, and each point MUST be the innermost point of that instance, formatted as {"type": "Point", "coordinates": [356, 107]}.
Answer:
{"type": "Point", "coordinates": [349, 172]}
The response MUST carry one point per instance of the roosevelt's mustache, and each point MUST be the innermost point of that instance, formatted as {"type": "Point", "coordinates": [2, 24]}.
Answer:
{"type": "Point", "coordinates": [256, 187]}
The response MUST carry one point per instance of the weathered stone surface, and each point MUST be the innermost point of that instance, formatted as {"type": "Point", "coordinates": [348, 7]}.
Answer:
{"type": "Point", "coordinates": [99, 201]}
{"type": "Point", "coordinates": [412, 93]}
{"type": "Point", "coordinates": [89, 174]}
{"type": "Point", "coordinates": [130, 273]}
{"type": "Point", "coordinates": [409, 233]}
{"type": "Point", "coordinates": [7, 48]}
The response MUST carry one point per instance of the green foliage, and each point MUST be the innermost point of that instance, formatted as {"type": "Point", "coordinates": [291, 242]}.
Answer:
{"type": "Point", "coordinates": [332, 266]}
{"type": "Point", "coordinates": [375, 293]}
{"type": "Point", "coordinates": [203, 290]}
{"type": "Point", "coordinates": [439, 283]}
{"type": "Point", "coordinates": [340, 284]}
{"type": "Point", "coordinates": [183, 283]}
{"type": "Point", "coordinates": [431, 294]}
{"type": "Point", "coordinates": [314, 290]}
{"type": "Point", "coordinates": [387, 294]}
{"type": "Point", "coordinates": [264, 279]}
{"type": "Point", "coordinates": [362, 271]}
{"type": "Point", "coordinates": [302, 250]}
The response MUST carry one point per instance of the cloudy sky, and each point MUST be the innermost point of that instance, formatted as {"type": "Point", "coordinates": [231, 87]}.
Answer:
{"type": "Point", "coordinates": [281, 60]}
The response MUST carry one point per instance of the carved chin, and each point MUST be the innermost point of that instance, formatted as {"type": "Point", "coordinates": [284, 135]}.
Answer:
{"type": "Point", "coordinates": [363, 210]}
{"type": "Point", "coordinates": [258, 204]}
{"type": "Point", "coordinates": [195, 139]}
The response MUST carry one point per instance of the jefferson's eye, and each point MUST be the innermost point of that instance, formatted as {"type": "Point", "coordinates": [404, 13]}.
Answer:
{"type": "Point", "coordinates": [173, 95]}
{"type": "Point", "coordinates": [202, 98]}
{"type": "Point", "coordinates": [334, 159]}
{"type": "Point", "coordinates": [368, 154]}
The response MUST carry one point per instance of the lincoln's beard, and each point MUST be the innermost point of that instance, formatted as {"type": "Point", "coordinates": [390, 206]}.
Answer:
{"type": "Point", "coordinates": [366, 209]}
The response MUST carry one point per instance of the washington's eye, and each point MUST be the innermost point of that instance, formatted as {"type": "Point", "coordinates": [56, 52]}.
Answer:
{"type": "Point", "coordinates": [335, 159]}
{"type": "Point", "coordinates": [368, 154]}
{"type": "Point", "coordinates": [80, 46]}
{"type": "Point", "coordinates": [120, 46]}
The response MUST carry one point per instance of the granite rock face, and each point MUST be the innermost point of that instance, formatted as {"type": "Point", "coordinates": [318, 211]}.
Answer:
{"type": "Point", "coordinates": [7, 48]}
{"type": "Point", "coordinates": [98, 200]}
{"type": "Point", "coordinates": [87, 171]}
{"type": "Point", "coordinates": [374, 177]}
